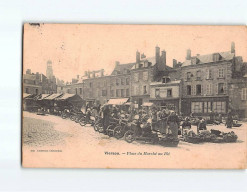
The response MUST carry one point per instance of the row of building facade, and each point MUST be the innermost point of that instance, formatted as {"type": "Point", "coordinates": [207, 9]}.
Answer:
{"type": "Point", "coordinates": [201, 84]}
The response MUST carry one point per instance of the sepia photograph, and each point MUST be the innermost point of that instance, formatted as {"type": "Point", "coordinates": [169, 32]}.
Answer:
{"type": "Point", "coordinates": [134, 96]}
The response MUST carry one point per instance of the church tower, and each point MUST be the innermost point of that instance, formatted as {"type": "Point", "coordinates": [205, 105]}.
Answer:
{"type": "Point", "coordinates": [49, 71]}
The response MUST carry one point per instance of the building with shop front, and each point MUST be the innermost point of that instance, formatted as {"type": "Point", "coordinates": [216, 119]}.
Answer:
{"type": "Point", "coordinates": [146, 71]}
{"type": "Point", "coordinates": [166, 94]}
{"type": "Point", "coordinates": [205, 82]}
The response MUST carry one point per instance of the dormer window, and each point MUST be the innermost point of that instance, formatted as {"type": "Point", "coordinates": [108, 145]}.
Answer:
{"type": "Point", "coordinates": [216, 57]}
{"type": "Point", "coordinates": [195, 61]}
{"type": "Point", "coordinates": [166, 80]}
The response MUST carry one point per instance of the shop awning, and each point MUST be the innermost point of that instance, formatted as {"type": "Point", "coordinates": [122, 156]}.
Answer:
{"type": "Point", "coordinates": [26, 95]}
{"type": "Point", "coordinates": [53, 96]}
{"type": "Point", "coordinates": [119, 101]}
{"type": "Point", "coordinates": [148, 104]}
{"type": "Point", "coordinates": [42, 96]}
{"type": "Point", "coordinates": [65, 96]}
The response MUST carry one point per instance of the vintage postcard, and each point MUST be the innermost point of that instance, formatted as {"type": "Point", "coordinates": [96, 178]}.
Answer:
{"type": "Point", "coordinates": [134, 96]}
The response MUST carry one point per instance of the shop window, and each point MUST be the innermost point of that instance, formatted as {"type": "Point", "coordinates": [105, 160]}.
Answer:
{"type": "Point", "coordinates": [169, 92]}
{"type": "Point", "coordinates": [188, 89]}
{"type": "Point", "coordinates": [219, 107]}
{"type": "Point", "coordinates": [207, 107]}
{"type": "Point", "coordinates": [196, 107]}
{"type": "Point", "coordinates": [198, 89]}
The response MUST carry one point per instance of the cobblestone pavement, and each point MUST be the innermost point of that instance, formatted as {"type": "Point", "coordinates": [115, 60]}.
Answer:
{"type": "Point", "coordinates": [82, 145]}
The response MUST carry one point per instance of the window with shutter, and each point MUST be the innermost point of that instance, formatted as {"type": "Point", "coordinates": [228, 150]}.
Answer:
{"type": "Point", "coordinates": [193, 90]}
{"type": "Point", "coordinates": [216, 88]}
{"type": "Point", "coordinates": [244, 94]}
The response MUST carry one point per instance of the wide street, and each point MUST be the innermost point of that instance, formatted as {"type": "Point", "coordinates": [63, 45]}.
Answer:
{"type": "Point", "coordinates": [50, 141]}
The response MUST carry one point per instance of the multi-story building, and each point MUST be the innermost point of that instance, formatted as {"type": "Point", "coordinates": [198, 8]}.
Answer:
{"type": "Point", "coordinates": [75, 87]}
{"type": "Point", "coordinates": [32, 83]}
{"type": "Point", "coordinates": [146, 71]}
{"type": "Point", "coordinates": [96, 87]}
{"type": "Point", "coordinates": [166, 93]}
{"type": "Point", "coordinates": [205, 82]}
{"type": "Point", "coordinates": [120, 80]}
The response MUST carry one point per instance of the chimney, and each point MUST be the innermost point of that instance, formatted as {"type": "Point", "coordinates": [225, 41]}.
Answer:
{"type": "Point", "coordinates": [188, 57]}
{"type": "Point", "coordinates": [78, 76]}
{"type": "Point", "coordinates": [28, 71]}
{"type": "Point", "coordinates": [157, 54]}
{"type": "Point", "coordinates": [197, 55]}
{"type": "Point", "coordinates": [163, 57]}
{"type": "Point", "coordinates": [102, 72]}
{"type": "Point", "coordinates": [233, 47]}
{"type": "Point", "coordinates": [85, 73]}
{"type": "Point", "coordinates": [117, 63]}
{"type": "Point", "coordinates": [137, 56]}
{"type": "Point", "coordinates": [93, 74]}
{"type": "Point", "coordinates": [174, 63]}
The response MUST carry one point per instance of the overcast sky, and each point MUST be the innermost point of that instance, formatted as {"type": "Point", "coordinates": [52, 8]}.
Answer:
{"type": "Point", "coordinates": [74, 48]}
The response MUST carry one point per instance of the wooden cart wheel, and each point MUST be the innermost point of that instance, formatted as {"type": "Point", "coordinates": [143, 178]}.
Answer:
{"type": "Point", "coordinates": [82, 122]}
{"type": "Point", "coordinates": [129, 136]}
{"type": "Point", "coordinates": [118, 132]}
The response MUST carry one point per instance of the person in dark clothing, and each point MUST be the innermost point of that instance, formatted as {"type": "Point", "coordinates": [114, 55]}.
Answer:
{"type": "Point", "coordinates": [98, 108]}
{"type": "Point", "coordinates": [229, 120]}
{"type": "Point", "coordinates": [173, 122]}
{"type": "Point", "coordinates": [87, 106]}
{"type": "Point", "coordinates": [106, 116]}
{"type": "Point", "coordinates": [88, 115]}
{"type": "Point", "coordinates": [202, 125]}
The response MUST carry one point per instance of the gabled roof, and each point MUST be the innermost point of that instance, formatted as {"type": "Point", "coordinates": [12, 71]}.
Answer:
{"type": "Point", "coordinates": [121, 67]}
{"type": "Point", "coordinates": [203, 59]}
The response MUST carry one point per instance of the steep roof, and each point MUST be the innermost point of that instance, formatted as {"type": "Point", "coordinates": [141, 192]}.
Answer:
{"type": "Point", "coordinates": [203, 59]}
{"type": "Point", "coordinates": [121, 67]}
